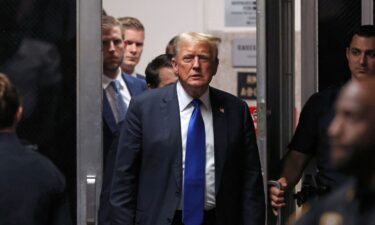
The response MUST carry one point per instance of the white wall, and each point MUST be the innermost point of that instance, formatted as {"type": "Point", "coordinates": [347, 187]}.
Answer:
{"type": "Point", "coordinates": [163, 19]}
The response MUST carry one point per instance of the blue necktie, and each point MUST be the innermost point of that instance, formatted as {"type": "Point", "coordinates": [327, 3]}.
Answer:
{"type": "Point", "coordinates": [194, 175]}
{"type": "Point", "coordinates": [120, 103]}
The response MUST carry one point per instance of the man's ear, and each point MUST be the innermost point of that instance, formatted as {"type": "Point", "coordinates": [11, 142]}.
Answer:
{"type": "Point", "coordinates": [215, 66]}
{"type": "Point", "coordinates": [174, 65]}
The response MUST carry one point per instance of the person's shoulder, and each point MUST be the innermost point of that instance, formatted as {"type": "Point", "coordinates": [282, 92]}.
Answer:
{"type": "Point", "coordinates": [129, 78]}
{"type": "Point", "coordinates": [225, 97]}
{"type": "Point", "coordinates": [42, 166]}
{"type": "Point", "coordinates": [18, 156]}
{"type": "Point", "coordinates": [134, 82]}
{"type": "Point", "coordinates": [343, 195]}
{"type": "Point", "coordinates": [330, 92]}
{"type": "Point", "coordinates": [141, 77]}
{"type": "Point", "coordinates": [333, 206]}
{"type": "Point", "coordinates": [157, 93]}
{"type": "Point", "coordinates": [323, 100]}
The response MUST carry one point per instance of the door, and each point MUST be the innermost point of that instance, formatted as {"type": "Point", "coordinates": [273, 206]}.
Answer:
{"type": "Point", "coordinates": [38, 54]}
{"type": "Point", "coordinates": [294, 63]}
{"type": "Point", "coordinates": [89, 105]}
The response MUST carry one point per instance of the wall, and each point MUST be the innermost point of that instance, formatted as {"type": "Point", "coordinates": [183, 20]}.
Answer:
{"type": "Point", "coordinates": [163, 19]}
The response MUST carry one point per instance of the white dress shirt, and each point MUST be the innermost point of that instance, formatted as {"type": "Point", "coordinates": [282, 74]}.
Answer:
{"type": "Point", "coordinates": [110, 92]}
{"type": "Point", "coordinates": [186, 109]}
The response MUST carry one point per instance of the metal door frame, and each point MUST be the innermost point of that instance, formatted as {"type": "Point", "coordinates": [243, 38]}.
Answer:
{"type": "Point", "coordinates": [309, 49]}
{"type": "Point", "coordinates": [89, 105]}
{"type": "Point", "coordinates": [275, 77]}
{"type": "Point", "coordinates": [367, 12]}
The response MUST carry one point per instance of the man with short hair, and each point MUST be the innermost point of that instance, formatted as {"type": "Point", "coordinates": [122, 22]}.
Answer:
{"type": "Point", "coordinates": [159, 72]}
{"type": "Point", "coordinates": [310, 138]}
{"type": "Point", "coordinates": [118, 89]}
{"type": "Point", "coordinates": [169, 50]}
{"type": "Point", "coordinates": [352, 138]}
{"type": "Point", "coordinates": [32, 189]}
{"type": "Point", "coordinates": [134, 32]}
{"type": "Point", "coordinates": [187, 152]}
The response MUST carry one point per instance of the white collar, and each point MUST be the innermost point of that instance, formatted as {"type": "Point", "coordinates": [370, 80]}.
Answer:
{"type": "Point", "coordinates": [184, 99]}
{"type": "Point", "coordinates": [107, 80]}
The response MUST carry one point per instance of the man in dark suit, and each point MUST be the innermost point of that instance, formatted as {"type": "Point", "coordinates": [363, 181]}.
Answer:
{"type": "Point", "coordinates": [113, 54]}
{"type": "Point", "coordinates": [32, 189]}
{"type": "Point", "coordinates": [187, 153]}
{"type": "Point", "coordinates": [117, 92]}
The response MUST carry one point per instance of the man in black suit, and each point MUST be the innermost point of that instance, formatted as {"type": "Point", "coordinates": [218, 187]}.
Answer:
{"type": "Point", "coordinates": [118, 89]}
{"type": "Point", "coordinates": [170, 132]}
{"type": "Point", "coordinates": [32, 189]}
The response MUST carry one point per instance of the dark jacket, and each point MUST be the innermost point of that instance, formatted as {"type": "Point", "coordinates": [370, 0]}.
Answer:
{"type": "Point", "coordinates": [32, 190]}
{"type": "Point", "coordinates": [147, 182]}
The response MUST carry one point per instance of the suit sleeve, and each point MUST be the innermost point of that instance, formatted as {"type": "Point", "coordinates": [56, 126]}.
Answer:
{"type": "Point", "coordinates": [104, 205]}
{"type": "Point", "coordinates": [253, 191]}
{"type": "Point", "coordinates": [123, 196]}
{"type": "Point", "coordinates": [59, 210]}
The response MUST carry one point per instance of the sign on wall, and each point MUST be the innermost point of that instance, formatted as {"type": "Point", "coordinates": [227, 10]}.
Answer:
{"type": "Point", "coordinates": [247, 85]}
{"type": "Point", "coordinates": [240, 13]}
{"type": "Point", "coordinates": [244, 52]}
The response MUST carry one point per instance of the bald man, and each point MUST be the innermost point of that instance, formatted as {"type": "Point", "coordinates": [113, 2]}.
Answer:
{"type": "Point", "coordinates": [352, 139]}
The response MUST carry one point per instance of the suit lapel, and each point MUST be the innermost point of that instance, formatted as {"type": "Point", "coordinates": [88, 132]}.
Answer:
{"type": "Point", "coordinates": [108, 114]}
{"type": "Point", "coordinates": [129, 84]}
{"type": "Point", "coordinates": [107, 111]}
{"type": "Point", "coordinates": [220, 135]}
{"type": "Point", "coordinates": [171, 118]}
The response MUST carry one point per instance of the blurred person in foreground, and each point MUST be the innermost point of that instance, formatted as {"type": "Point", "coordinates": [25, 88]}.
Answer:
{"type": "Point", "coordinates": [32, 190]}
{"type": "Point", "coordinates": [352, 138]}
{"type": "Point", "coordinates": [310, 138]}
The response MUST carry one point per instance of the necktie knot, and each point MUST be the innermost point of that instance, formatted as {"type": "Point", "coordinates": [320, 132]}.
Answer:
{"type": "Point", "coordinates": [116, 85]}
{"type": "Point", "coordinates": [196, 102]}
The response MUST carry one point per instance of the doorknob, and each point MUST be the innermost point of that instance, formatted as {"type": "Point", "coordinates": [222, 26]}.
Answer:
{"type": "Point", "coordinates": [91, 200]}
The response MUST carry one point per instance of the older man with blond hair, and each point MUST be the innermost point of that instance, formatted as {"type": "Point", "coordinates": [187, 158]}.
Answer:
{"type": "Point", "coordinates": [187, 152]}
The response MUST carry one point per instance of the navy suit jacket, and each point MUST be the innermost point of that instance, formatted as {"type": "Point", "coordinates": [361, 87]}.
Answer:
{"type": "Point", "coordinates": [139, 76]}
{"type": "Point", "coordinates": [147, 182]}
{"type": "Point", "coordinates": [110, 139]}
{"type": "Point", "coordinates": [110, 128]}
{"type": "Point", "coordinates": [32, 189]}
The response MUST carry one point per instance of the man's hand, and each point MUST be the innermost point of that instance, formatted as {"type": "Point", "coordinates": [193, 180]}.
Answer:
{"type": "Point", "coordinates": [277, 196]}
